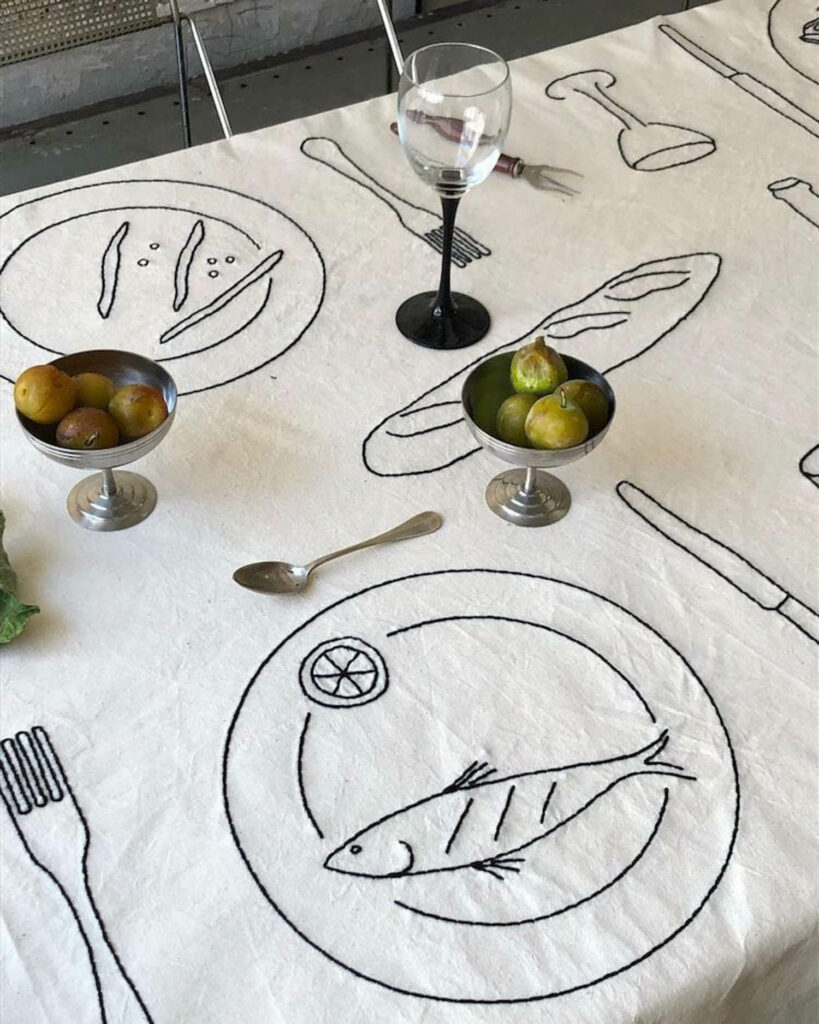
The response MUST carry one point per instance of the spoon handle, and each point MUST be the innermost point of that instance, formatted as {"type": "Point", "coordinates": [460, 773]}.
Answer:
{"type": "Point", "coordinates": [418, 526]}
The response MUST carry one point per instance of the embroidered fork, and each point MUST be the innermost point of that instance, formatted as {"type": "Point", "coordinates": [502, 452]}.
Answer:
{"type": "Point", "coordinates": [419, 221]}
{"type": "Point", "coordinates": [55, 834]}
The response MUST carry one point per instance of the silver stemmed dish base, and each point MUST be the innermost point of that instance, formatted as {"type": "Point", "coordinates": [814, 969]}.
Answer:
{"type": "Point", "coordinates": [106, 500]}
{"type": "Point", "coordinates": [526, 497]}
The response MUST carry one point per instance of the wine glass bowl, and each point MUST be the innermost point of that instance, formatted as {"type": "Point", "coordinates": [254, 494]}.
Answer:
{"type": "Point", "coordinates": [525, 496]}
{"type": "Point", "coordinates": [454, 104]}
{"type": "Point", "coordinates": [108, 501]}
{"type": "Point", "coordinates": [453, 114]}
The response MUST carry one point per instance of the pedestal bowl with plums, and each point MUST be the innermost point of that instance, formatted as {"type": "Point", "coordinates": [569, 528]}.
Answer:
{"type": "Point", "coordinates": [99, 410]}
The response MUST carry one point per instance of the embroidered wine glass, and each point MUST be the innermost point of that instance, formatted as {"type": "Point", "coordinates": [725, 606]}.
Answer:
{"type": "Point", "coordinates": [454, 102]}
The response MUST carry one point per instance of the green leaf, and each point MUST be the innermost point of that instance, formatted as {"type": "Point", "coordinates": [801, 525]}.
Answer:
{"type": "Point", "coordinates": [13, 616]}
{"type": "Point", "coordinates": [13, 613]}
{"type": "Point", "coordinates": [8, 577]}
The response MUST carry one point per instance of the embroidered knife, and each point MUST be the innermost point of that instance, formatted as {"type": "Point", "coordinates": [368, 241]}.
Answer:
{"type": "Point", "coordinates": [753, 86]}
{"type": "Point", "coordinates": [719, 558]}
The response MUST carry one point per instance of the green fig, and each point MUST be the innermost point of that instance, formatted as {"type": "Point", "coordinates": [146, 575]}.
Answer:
{"type": "Point", "coordinates": [537, 369]}
{"type": "Point", "coordinates": [556, 422]}
{"type": "Point", "coordinates": [509, 425]}
{"type": "Point", "coordinates": [591, 400]}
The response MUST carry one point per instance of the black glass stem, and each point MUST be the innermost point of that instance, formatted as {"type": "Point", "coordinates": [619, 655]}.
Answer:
{"type": "Point", "coordinates": [443, 319]}
{"type": "Point", "coordinates": [443, 300]}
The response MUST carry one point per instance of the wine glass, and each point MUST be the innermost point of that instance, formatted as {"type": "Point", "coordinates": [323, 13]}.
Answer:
{"type": "Point", "coordinates": [454, 102]}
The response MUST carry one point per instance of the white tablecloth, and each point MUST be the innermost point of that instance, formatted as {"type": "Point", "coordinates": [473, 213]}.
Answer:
{"type": "Point", "coordinates": [641, 676]}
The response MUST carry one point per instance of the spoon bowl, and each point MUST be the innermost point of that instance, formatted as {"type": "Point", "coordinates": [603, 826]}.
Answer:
{"type": "Point", "coordinates": [272, 577]}
{"type": "Point", "coordinates": [655, 147]}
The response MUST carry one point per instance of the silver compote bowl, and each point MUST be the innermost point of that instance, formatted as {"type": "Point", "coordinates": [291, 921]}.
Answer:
{"type": "Point", "coordinates": [526, 497]}
{"type": "Point", "coordinates": [106, 501]}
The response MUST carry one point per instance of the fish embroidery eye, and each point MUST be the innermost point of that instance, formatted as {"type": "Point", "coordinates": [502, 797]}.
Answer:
{"type": "Point", "coordinates": [355, 848]}
{"type": "Point", "coordinates": [343, 673]}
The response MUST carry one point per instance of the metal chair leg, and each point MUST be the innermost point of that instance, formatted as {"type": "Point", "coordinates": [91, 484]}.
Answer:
{"type": "Point", "coordinates": [389, 28]}
{"type": "Point", "coordinates": [216, 96]}
{"type": "Point", "coordinates": [182, 74]}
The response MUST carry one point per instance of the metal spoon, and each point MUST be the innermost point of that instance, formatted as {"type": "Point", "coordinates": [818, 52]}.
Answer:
{"type": "Point", "coordinates": [284, 578]}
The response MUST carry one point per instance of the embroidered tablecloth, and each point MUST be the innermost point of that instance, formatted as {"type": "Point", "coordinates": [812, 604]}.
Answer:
{"type": "Point", "coordinates": [494, 774]}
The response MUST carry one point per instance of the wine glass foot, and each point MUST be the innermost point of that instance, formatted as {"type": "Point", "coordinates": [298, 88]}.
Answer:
{"type": "Point", "coordinates": [544, 504]}
{"type": "Point", "coordinates": [467, 323]}
{"type": "Point", "coordinates": [133, 500]}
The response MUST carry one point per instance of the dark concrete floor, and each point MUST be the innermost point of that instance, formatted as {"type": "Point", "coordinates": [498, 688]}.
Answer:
{"type": "Point", "coordinates": [295, 86]}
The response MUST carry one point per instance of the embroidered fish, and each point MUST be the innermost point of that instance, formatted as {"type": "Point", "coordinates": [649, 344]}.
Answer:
{"type": "Point", "coordinates": [484, 823]}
